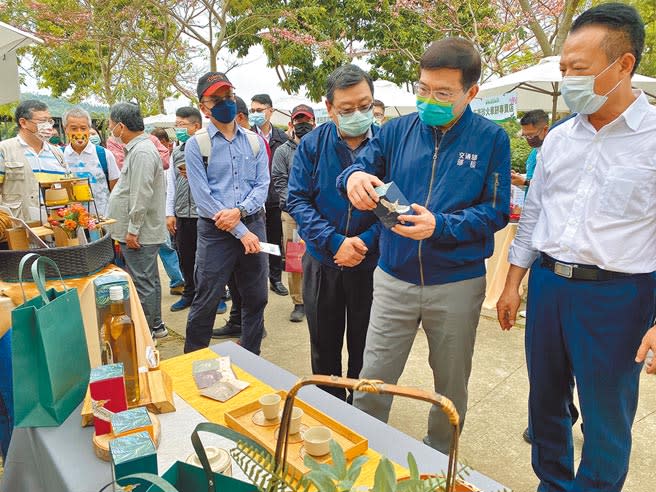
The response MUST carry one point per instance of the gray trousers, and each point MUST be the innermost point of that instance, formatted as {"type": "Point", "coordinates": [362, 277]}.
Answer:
{"type": "Point", "coordinates": [142, 265]}
{"type": "Point", "coordinates": [449, 314]}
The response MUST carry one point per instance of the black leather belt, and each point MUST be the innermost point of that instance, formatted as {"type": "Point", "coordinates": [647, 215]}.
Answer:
{"type": "Point", "coordinates": [245, 220]}
{"type": "Point", "coordinates": [579, 272]}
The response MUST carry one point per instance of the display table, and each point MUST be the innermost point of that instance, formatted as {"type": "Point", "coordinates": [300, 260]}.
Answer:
{"type": "Point", "coordinates": [61, 458]}
{"type": "Point", "coordinates": [498, 266]}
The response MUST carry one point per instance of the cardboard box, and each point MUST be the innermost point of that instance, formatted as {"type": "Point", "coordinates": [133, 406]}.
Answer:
{"type": "Point", "coordinates": [107, 389]}
{"type": "Point", "coordinates": [131, 454]}
{"type": "Point", "coordinates": [392, 203]}
{"type": "Point", "coordinates": [132, 421]}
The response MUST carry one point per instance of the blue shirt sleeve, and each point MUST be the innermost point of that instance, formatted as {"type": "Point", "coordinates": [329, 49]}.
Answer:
{"type": "Point", "coordinates": [491, 213]}
{"type": "Point", "coordinates": [312, 227]}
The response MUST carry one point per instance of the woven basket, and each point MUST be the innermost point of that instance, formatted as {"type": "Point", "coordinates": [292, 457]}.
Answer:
{"type": "Point", "coordinates": [73, 261]}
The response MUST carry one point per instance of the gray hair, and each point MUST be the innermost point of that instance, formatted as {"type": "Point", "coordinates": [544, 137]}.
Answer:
{"type": "Point", "coordinates": [129, 114]}
{"type": "Point", "coordinates": [76, 112]}
{"type": "Point", "coordinates": [26, 108]}
{"type": "Point", "coordinates": [344, 77]}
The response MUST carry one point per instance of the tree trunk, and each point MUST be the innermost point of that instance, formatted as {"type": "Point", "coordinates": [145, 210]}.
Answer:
{"type": "Point", "coordinates": [568, 16]}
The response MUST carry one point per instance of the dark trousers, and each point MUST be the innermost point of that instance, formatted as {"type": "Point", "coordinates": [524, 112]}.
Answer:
{"type": "Point", "coordinates": [219, 254]}
{"type": "Point", "coordinates": [235, 308]}
{"type": "Point", "coordinates": [588, 330]}
{"type": "Point", "coordinates": [185, 239]}
{"type": "Point", "coordinates": [274, 236]}
{"type": "Point", "coordinates": [336, 301]}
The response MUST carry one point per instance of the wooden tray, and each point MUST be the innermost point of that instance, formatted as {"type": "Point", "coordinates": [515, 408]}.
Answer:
{"type": "Point", "coordinates": [242, 420]}
{"type": "Point", "coordinates": [156, 395]}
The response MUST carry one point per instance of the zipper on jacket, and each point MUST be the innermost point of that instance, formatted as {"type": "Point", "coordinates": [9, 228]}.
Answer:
{"type": "Point", "coordinates": [348, 222]}
{"type": "Point", "coordinates": [430, 190]}
{"type": "Point", "coordinates": [496, 186]}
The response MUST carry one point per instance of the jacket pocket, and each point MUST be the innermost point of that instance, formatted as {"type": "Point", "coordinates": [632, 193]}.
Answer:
{"type": "Point", "coordinates": [14, 171]}
{"type": "Point", "coordinates": [627, 193]}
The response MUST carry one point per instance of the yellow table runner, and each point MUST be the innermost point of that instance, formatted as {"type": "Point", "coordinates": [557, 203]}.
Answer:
{"type": "Point", "coordinates": [180, 370]}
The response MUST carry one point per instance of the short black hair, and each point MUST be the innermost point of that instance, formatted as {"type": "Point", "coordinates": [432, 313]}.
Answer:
{"type": "Point", "coordinates": [627, 29]}
{"type": "Point", "coordinates": [379, 104]}
{"type": "Point", "coordinates": [456, 53]}
{"type": "Point", "coordinates": [189, 113]}
{"type": "Point", "coordinates": [26, 108]}
{"type": "Point", "coordinates": [129, 114]}
{"type": "Point", "coordinates": [534, 117]}
{"type": "Point", "coordinates": [241, 106]}
{"type": "Point", "coordinates": [161, 134]}
{"type": "Point", "coordinates": [344, 77]}
{"type": "Point", "coordinates": [263, 99]}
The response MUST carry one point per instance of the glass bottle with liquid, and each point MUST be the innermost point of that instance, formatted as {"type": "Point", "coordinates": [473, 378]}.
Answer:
{"type": "Point", "coordinates": [121, 337]}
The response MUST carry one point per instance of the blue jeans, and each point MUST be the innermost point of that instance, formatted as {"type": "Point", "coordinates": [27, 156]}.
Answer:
{"type": "Point", "coordinates": [218, 255]}
{"type": "Point", "coordinates": [588, 330]}
{"type": "Point", "coordinates": [169, 258]}
{"type": "Point", "coordinates": [6, 399]}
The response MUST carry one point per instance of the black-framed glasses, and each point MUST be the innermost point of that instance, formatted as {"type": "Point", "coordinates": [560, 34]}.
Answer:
{"type": "Point", "coordinates": [219, 99]}
{"type": "Point", "coordinates": [361, 109]}
{"type": "Point", "coordinates": [258, 110]}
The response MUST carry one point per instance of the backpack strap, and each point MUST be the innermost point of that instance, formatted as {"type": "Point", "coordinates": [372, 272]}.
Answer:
{"type": "Point", "coordinates": [205, 144]}
{"type": "Point", "coordinates": [102, 157]}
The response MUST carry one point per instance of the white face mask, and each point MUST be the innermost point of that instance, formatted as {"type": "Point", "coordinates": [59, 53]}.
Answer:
{"type": "Point", "coordinates": [579, 95]}
{"type": "Point", "coordinates": [117, 137]}
{"type": "Point", "coordinates": [44, 130]}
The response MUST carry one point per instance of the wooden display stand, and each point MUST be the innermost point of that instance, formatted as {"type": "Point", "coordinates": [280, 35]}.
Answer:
{"type": "Point", "coordinates": [156, 395]}
{"type": "Point", "coordinates": [101, 443]}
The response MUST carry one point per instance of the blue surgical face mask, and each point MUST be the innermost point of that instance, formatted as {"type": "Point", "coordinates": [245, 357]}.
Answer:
{"type": "Point", "coordinates": [355, 124]}
{"type": "Point", "coordinates": [579, 95]}
{"type": "Point", "coordinates": [434, 112]}
{"type": "Point", "coordinates": [256, 119]}
{"type": "Point", "coordinates": [225, 111]}
{"type": "Point", "coordinates": [94, 139]}
{"type": "Point", "coordinates": [182, 135]}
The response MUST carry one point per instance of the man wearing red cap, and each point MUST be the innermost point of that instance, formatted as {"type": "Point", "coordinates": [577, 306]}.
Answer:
{"type": "Point", "coordinates": [302, 122]}
{"type": "Point", "coordinates": [228, 175]}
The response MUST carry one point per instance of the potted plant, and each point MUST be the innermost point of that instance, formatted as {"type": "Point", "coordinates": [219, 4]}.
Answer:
{"type": "Point", "coordinates": [69, 220]}
{"type": "Point", "coordinates": [338, 477]}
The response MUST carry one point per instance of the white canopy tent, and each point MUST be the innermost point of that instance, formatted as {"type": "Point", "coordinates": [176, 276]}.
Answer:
{"type": "Point", "coordinates": [537, 86]}
{"type": "Point", "coordinates": [10, 40]}
{"type": "Point", "coordinates": [397, 101]}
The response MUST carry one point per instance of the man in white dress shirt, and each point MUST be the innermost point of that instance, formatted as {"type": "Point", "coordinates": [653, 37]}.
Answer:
{"type": "Point", "coordinates": [588, 232]}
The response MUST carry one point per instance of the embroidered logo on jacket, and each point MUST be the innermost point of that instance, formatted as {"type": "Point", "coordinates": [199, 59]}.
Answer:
{"type": "Point", "coordinates": [467, 158]}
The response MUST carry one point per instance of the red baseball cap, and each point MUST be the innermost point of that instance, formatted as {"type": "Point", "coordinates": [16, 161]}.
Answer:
{"type": "Point", "coordinates": [210, 82]}
{"type": "Point", "coordinates": [302, 110]}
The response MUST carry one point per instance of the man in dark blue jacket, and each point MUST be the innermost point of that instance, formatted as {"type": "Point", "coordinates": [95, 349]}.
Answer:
{"type": "Point", "coordinates": [454, 167]}
{"type": "Point", "coordinates": [342, 242]}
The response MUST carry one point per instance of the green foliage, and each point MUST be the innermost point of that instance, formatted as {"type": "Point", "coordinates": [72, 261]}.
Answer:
{"type": "Point", "coordinates": [519, 149]}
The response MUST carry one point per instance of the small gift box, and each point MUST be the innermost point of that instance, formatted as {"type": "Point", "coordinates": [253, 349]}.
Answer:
{"type": "Point", "coordinates": [131, 454]}
{"type": "Point", "coordinates": [107, 389]}
{"type": "Point", "coordinates": [392, 203]}
{"type": "Point", "coordinates": [132, 421]}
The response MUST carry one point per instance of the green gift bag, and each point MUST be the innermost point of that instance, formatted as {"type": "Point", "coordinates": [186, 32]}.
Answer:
{"type": "Point", "coordinates": [49, 352]}
{"type": "Point", "coordinates": [157, 484]}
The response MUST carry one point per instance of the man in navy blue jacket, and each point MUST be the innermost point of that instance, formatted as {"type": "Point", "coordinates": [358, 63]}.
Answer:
{"type": "Point", "coordinates": [342, 242]}
{"type": "Point", "coordinates": [454, 167]}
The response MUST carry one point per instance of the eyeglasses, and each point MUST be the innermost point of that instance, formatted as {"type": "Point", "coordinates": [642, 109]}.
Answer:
{"type": "Point", "coordinates": [50, 120]}
{"type": "Point", "coordinates": [361, 109]}
{"type": "Point", "coordinates": [219, 99]}
{"type": "Point", "coordinates": [258, 110]}
{"type": "Point", "coordinates": [528, 137]}
{"type": "Point", "coordinates": [422, 90]}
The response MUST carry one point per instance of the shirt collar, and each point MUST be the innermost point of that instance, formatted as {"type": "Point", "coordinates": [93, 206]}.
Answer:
{"type": "Point", "coordinates": [89, 149]}
{"type": "Point", "coordinates": [135, 141]}
{"type": "Point", "coordinates": [632, 116]}
{"type": "Point", "coordinates": [213, 130]}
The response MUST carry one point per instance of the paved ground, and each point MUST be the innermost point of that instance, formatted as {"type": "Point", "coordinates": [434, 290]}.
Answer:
{"type": "Point", "coordinates": [491, 441]}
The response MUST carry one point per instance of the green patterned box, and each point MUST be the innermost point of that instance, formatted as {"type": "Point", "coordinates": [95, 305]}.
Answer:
{"type": "Point", "coordinates": [131, 421]}
{"type": "Point", "coordinates": [131, 454]}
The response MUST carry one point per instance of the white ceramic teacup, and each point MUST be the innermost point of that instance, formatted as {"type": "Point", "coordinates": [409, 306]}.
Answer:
{"type": "Point", "coordinates": [316, 440]}
{"type": "Point", "coordinates": [270, 405]}
{"type": "Point", "coordinates": [295, 422]}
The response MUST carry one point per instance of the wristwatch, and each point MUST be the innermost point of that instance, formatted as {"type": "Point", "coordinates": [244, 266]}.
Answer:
{"type": "Point", "coordinates": [242, 211]}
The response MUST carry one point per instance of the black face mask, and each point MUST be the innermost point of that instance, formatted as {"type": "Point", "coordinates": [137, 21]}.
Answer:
{"type": "Point", "coordinates": [535, 141]}
{"type": "Point", "coordinates": [301, 129]}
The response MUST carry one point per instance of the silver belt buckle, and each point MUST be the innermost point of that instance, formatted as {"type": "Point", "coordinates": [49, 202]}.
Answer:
{"type": "Point", "coordinates": [563, 270]}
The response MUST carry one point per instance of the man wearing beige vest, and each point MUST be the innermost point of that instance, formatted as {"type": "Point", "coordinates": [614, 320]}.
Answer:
{"type": "Point", "coordinates": [28, 159]}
